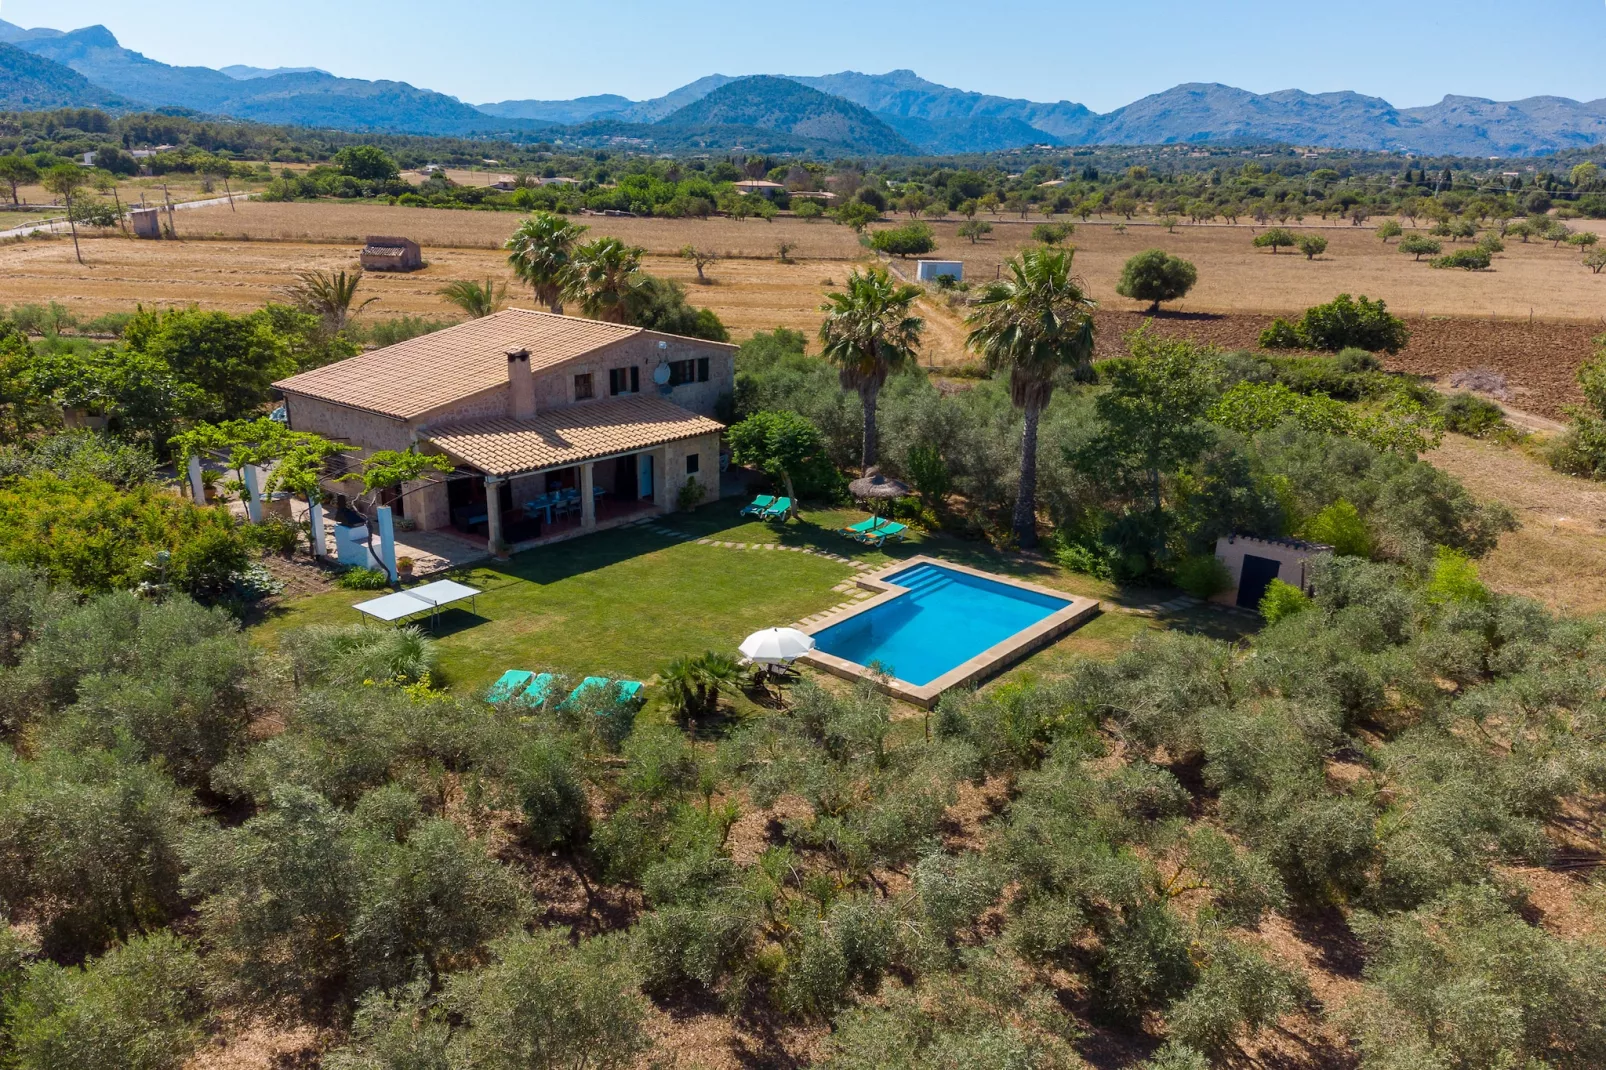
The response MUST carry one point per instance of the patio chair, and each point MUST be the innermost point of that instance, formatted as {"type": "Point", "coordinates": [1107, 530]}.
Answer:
{"type": "Point", "coordinates": [629, 690]}
{"type": "Point", "coordinates": [889, 530]}
{"type": "Point", "coordinates": [759, 506]}
{"type": "Point", "coordinates": [780, 509]}
{"type": "Point", "coordinates": [508, 685]}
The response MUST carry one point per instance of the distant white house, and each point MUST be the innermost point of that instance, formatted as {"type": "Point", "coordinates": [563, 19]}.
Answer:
{"type": "Point", "coordinates": [762, 187]}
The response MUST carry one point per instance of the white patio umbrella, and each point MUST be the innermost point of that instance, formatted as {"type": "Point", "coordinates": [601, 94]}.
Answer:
{"type": "Point", "coordinates": [776, 645]}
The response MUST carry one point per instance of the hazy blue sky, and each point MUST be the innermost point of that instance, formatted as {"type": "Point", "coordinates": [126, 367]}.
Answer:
{"type": "Point", "coordinates": [1100, 54]}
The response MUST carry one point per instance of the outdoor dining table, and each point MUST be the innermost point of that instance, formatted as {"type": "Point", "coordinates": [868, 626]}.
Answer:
{"type": "Point", "coordinates": [543, 503]}
{"type": "Point", "coordinates": [564, 499]}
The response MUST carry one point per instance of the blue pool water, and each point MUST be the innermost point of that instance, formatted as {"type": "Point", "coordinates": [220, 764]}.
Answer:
{"type": "Point", "coordinates": [947, 618]}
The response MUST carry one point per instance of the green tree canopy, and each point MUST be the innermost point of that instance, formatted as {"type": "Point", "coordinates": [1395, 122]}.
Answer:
{"type": "Point", "coordinates": [232, 360]}
{"type": "Point", "coordinates": [787, 447]}
{"type": "Point", "coordinates": [1275, 238]}
{"type": "Point", "coordinates": [366, 163]}
{"type": "Point", "coordinates": [911, 239]}
{"type": "Point", "coordinates": [1156, 276]}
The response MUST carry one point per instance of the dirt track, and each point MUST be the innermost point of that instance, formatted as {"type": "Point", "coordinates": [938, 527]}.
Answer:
{"type": "Point", "coordinates": [1540, 360]}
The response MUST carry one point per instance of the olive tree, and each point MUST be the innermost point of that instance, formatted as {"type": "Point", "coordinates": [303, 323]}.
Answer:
{"type": "Point", "coordinates": [1156, 276]}
{"type": "Point", "coordinates": [1275, 238]}
{"type": "Point", "coordinates": [138, 1007]}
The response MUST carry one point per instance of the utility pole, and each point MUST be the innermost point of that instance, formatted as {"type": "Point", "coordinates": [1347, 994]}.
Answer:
{"type": "Point", "coordinates": [172, 228]}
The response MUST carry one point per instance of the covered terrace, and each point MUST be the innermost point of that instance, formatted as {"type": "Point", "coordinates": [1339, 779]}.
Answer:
{"type": "Point", "coordinates": [564, 472]}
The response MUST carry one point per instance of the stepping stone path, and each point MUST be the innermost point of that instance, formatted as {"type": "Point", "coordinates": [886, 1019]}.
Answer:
{"type": "Point", "coordinates": [681, 536]}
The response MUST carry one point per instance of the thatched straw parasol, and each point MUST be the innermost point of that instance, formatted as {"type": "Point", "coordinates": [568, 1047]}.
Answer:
{"type": "Point", "coordinates": [875, 487]}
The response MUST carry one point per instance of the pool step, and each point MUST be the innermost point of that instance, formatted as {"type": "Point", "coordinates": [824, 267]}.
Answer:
{"type": "Point", "coordinates": [925, 578]}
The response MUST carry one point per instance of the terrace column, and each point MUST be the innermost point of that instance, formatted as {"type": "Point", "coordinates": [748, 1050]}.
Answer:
{"type": "Point", "coordinates": [197, 487]}
{"type": "Point", "coordinates": [316, 533]}
{"type": "Point", "coordinates": [588, 499]}
{"type": "Point", "coordinates": [660, 479]}
{"type": "Point", "coordinates": [387, 542]}
{"type": "Point", "coordinates": [253, 493]}
{"type": "Point", "coordinates": [493, 512]}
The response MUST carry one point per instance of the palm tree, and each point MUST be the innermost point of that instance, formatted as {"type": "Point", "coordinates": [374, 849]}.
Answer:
{"type": "Point", "coordinates": [328, 295]}
{"type": "Point", "coordinates": [606, 275]}
{"type": "Point", "coordinates": [868, 334]}
{"type": "Point", "coordinates": [1034, 323]}
{"type": "Point", "coordinates": [694, 683]}
{"type": "Point", "coordinates": [477, 300]}
{"type": "Point", "coordinates": [541, 252]}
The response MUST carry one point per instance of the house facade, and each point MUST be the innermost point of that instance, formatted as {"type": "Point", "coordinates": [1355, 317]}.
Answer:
{"type": "Point", "coordinates": [554, 425]}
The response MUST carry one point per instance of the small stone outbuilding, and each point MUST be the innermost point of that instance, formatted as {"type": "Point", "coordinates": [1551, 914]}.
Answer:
{"type": "Point", "coordinates": [391, 254]}
{"type": "Point", "coordinates": [147, 223]}
{"type": "Point", "coordinates": [1254, 562]}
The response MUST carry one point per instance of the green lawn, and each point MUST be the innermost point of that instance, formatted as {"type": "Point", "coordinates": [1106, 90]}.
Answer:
{"type": "Point", "coordinates": [624, 602]}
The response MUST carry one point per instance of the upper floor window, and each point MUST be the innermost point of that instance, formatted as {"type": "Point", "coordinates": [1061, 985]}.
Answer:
{"type": "Point", "coordinates": [688, 371]}
{"type": "Point", "coordinates": [582, 387]}
{"type": "Point", "coordinates": [624, 381]}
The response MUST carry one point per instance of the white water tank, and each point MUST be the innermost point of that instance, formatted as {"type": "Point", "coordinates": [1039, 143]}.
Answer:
{"type": "Point", "coordinates": [932, 270]}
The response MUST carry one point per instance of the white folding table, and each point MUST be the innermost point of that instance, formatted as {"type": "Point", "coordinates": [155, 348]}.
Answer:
{"type": "Point", "coordinates": [429, 598]}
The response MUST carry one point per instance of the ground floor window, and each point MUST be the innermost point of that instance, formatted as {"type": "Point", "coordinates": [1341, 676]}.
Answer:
{"type": "Point", "coordinates": [693, 464]}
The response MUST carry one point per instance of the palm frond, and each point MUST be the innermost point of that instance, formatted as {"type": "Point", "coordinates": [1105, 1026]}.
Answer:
{"type": "Point", "coordinates": [476, 299]}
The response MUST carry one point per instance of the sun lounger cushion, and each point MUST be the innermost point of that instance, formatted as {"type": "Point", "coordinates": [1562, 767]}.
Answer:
{"type": "Point", "coordinates": [759, 504]}
{"type": "Point", "coordinates": [509, 685]}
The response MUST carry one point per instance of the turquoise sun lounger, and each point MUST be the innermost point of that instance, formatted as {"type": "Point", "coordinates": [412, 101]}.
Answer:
{"type": "Point", "coordinates": [629, 690]}
{"type": "Point", "coordinates": [510, 684]}
{"type": "Point", "coordinates": [780, 509]}
{"type": "Point", "coordinates": [760, 505]}
{"type": "Point", "coordinates": [862, 528]}
{"type": "Point", "coordinates": [536, 694]}
{"type": "Point", "coordinates": [886, 531]}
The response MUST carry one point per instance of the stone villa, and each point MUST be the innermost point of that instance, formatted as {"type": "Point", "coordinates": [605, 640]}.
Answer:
{"type": "Point", "coordinates": [554, 425]}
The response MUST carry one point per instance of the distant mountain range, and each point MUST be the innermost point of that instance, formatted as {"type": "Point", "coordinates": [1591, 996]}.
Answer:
{"type": "Point", "coordinates": [847, 113]}
{"type": "Point", "coordinates": [243, 73]}
{"type": "Point", "coordinates": [29, 83]}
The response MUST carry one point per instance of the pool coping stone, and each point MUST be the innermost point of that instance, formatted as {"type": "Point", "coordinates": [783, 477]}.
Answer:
{"type": "Point", "coordinates": [990, 661]}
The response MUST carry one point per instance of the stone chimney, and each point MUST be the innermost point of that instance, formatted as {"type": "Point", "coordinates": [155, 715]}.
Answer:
{"type": "Point", "coordinates": [520, 385]}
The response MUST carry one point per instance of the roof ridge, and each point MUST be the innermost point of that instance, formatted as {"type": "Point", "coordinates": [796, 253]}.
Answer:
{"type": "Point", "coordinates": [420, 374]}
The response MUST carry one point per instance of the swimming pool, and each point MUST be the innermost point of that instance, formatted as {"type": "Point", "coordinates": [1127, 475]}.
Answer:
{"type": "Point", "coordinates": [948, 617]}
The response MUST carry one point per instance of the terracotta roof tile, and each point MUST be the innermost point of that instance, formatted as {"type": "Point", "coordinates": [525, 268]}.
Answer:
{"type": "Point", "coordinates": [570, 435]}
{"type": "Point", "coordinates": [413, 377]}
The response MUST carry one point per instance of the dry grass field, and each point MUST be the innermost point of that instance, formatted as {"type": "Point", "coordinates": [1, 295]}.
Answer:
{"type": "Point", "coordinates": [1558, 556]}
{"type": "Point", "coordinates": [1535, 278]}
{"type": "Point", "coordinates": [237, 276]}
{"type": "Point", "coordinates": [236, 260]}
{"type": "Point", "coordinates": [180, 187]}
{"type": "Point", "coordinates": [434, 228]}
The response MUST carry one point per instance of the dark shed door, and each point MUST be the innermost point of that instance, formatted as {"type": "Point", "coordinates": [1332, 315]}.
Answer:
{"type": "Point", "coordinates": [1257, 576]}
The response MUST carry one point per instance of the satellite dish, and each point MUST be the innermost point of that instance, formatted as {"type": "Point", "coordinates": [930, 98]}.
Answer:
{"type": "Point", "coordinates": [660, 375]}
